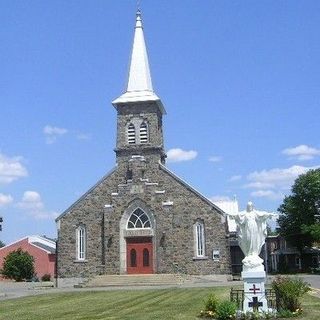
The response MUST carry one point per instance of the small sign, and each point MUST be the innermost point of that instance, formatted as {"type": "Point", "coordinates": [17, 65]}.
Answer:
{"type": "Point", "coordinates": [216, 255]}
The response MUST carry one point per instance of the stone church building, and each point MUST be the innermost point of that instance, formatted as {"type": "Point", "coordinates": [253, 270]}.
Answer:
{"type": "Point", "coordinates": [141, 218]}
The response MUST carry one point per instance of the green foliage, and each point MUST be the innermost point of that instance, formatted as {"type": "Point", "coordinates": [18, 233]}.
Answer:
{"type": "Point", "coordinates": [211, 303]}
{"type": "Point", "coordinates": [288, 314]}
{"type": "Point", "coordinates": [2, 244]}
{"type": "Point", "coordinates": [210, 308]}
{"type": "Point", "coordinates": [299, 210]}
{"type": "Point", "coordinates": [289, 292]}
{"type": "Point", "coordinates": [46, 277]}
{"type": "Point", "coordinates": [226, 310]}
{"type": "Point", "coordinates": [18, 265]}
{"type": "Point", "coordinates": [218, 310]}
{"type": "Point", "coordinates": [313, 230]}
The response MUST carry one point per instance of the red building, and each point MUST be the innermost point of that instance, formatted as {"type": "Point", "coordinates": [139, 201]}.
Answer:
{"type": "Point", "coordinates": [41, 248]}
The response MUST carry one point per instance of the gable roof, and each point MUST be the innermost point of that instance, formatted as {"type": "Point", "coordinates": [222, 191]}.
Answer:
{"type": "Point", "coordinates": [41, 242]}
{"type": "Point", "coordinates": [44, 247]}
{"type": "Point", "coordinates": [85, 194]}
{"type": "Point", "coordinates": [193, 190]}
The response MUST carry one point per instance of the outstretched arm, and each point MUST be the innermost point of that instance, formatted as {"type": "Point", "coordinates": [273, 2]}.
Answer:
{"type": "Point", "coordinates": [266, 214]}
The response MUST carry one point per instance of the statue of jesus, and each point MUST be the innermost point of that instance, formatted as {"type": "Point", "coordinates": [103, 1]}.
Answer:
{"type": "Point", "coordinates": [252, 225]}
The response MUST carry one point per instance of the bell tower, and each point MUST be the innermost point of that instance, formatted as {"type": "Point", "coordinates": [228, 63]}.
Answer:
{"type": "Point", "coordinates": [139, 109]}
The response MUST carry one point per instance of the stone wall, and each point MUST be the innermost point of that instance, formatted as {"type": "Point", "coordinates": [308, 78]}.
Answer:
{"type": "Point", "coordinates": [174, 206]}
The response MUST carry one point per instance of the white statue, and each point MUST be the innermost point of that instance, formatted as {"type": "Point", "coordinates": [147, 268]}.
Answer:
{"type": "Point", "coordinates": [252, 225]}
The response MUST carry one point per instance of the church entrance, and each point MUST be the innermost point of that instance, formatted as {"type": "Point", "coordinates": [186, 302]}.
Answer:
{"type": "Point", "coordinates": [139, 255]}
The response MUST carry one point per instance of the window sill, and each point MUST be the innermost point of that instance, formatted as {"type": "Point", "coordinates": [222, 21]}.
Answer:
{"type": "Point", "coordinates": [80, 261]}
{"type": "Point", "coordinates": [200, 258]}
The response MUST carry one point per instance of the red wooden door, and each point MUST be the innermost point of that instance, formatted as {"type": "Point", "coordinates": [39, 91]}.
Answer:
{"type": "Point", "coordinates": [139, 255]}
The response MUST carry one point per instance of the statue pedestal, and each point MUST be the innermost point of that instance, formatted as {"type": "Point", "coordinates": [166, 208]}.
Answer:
{"type": "Point", "coordinates": [254, 291]}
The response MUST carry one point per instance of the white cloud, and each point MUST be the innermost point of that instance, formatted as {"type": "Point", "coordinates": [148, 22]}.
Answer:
{"type": "Point", "coordinates": [215, 159]}
{"type": "Point", "coordinates": [31, 200]}
{"type": "Point", "coordinates": [52, 133]}
{"type": "Point", "coordinates": [235, 178]}
{"type": "Point", "coordinates": [32, 204]}
{"type": "Point", "coordinates": [277, 178]}
{"type": "Point", "coordinates": [11, 169]}
{"type": "Point", "coordinates": [5, 199]}
{"type": "Point", "coordinates": [273, 183]}
{"type": "Point", "coordinates": [258, 185]}
{"type": "Point", "coordinates": [301, 152]}
{"type": "Point", "coordinates": [177, 155]}
{"type": "Point", "coordinates": [269, 194]}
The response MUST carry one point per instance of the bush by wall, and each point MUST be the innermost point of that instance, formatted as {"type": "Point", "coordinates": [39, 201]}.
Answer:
{"type": "Point", "coordinates": [289, 292]}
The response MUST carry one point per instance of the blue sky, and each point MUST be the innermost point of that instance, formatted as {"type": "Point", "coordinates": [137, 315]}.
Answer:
{"type": "Point", "coordinates": [240, 81]}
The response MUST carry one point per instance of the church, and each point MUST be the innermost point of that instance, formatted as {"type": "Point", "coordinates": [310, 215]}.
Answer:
{"type": "Point", "coordinates": [141, 218]}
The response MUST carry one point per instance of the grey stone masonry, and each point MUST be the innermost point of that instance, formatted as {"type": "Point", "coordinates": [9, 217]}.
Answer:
{"type": "Point", "coordinates": [104, 211]}
{"type": "Point", "coordinates": [141, 181]}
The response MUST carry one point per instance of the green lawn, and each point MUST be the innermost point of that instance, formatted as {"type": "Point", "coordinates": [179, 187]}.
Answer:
{"type": "Point", "coordinates": [138, 304]}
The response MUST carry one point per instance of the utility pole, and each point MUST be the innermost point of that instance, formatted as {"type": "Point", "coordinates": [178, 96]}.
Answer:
{"type": "Point", "coordinates": [1, 220]}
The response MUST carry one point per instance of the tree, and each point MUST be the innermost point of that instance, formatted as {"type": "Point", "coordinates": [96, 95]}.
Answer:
{"type": "Point", "coordinates": [18, 265]}
{"type": "Point", "coordinates": [298, 213]}
{"type": "Point", "coordinates": [2, 244]}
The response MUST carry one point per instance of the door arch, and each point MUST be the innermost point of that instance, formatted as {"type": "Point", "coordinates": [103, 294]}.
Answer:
{"type": "Point", "coordinates": [146, 219]}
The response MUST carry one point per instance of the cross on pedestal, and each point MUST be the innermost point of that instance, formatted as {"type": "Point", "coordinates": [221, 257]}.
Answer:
{"type": "Point", "coordinates": [254, 289]}
{"type": "Point", "coordinates": [255, 304]}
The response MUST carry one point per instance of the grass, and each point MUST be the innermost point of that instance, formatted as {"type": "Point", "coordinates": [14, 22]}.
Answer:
{"type": "Point", "coordinates": [124, 304]}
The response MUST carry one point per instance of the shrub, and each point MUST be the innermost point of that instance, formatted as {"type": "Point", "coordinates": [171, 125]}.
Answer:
{"type": "Point", "coordinates": [226, 310]}
{"type": "Point", "coordinates": [289, 292]}
{"type": "Point", "coordinates": [212, 303]}
{"type": "Point", "coordinates": [18, 265]}
{"type": "Point", "coordinates": [46, 277]}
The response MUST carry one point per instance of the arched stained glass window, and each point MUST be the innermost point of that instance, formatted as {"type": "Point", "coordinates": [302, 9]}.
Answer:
{"type": "Point", "coordinates": [131, 134]}
{"type": "Point", "coordinates": [143, 133]}
{"type": "Point", "coordinates": [138, 220]}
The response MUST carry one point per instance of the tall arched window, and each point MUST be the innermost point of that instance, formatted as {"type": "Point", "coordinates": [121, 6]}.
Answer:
{"type": "Point", "coordinates": [81, 243]}
{"type": "Point", "coordinates": [199, 239]}
{"type": "Point", "coordinates": [131, 134]}
{"type": "Point", "coordinates": [138, 220]}
{"type": "Point", "coordinates": [143, 133]}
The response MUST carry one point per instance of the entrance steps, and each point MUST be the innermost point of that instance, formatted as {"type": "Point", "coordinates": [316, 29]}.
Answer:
{"type": "Point", "coordinates": [135, 280]}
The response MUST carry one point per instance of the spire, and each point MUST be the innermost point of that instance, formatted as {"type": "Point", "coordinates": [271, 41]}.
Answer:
{"type": "Point", "coordinates": [139, 72]}
{"type": "Point", "coordinates": [139, 86]}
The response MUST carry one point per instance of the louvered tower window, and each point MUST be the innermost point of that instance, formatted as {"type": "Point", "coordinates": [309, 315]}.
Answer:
{"type": "Point", "coordinates": [131, 134]}
{"type": "Point", "coordinates": [143, 133]}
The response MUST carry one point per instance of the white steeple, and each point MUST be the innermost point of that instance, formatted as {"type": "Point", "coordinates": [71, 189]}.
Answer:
{"type": "Point", "coordinates": [139, 87]}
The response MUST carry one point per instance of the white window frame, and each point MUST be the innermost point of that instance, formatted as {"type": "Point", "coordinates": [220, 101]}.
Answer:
{"type": "Point", "coordinates": [138, 219]}
{"type": "Point", "coordinates": [81, 243]}
{"type": "Point", "coordinates": [199, 236]}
